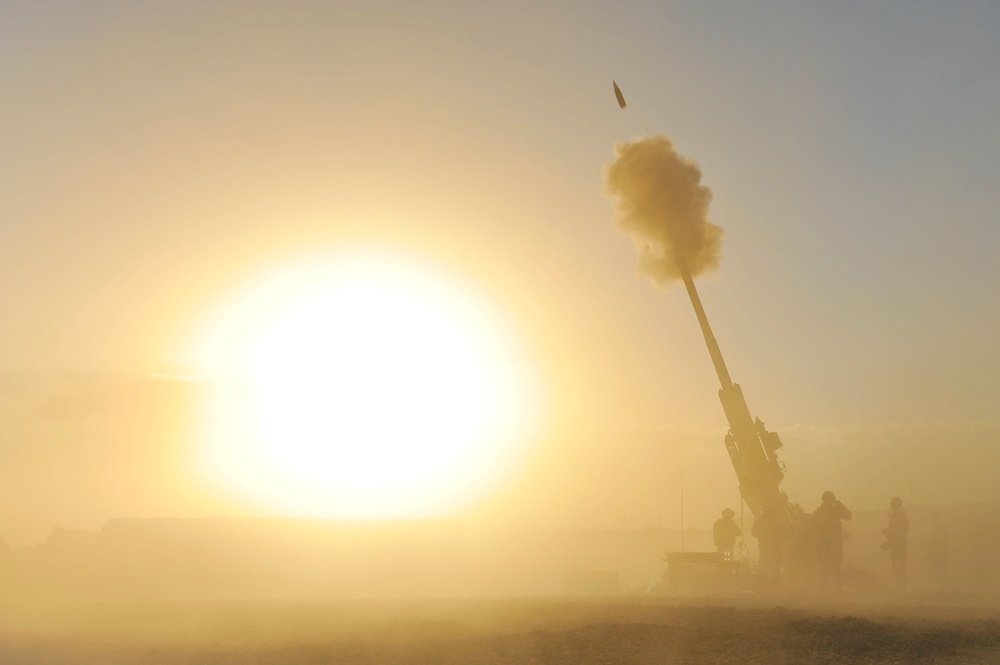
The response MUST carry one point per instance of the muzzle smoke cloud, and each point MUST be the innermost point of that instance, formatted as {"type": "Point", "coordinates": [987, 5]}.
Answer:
{"type": "Point", "coordinates": [662, 205]}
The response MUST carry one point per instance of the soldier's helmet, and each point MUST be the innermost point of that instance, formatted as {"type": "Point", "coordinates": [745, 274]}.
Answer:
{"type": "Point", "coordinates": [829, 496]}
{"type": "Point", "coordinates": [896, 502]}
{"type": "Point", "coordinates": [728, 514]}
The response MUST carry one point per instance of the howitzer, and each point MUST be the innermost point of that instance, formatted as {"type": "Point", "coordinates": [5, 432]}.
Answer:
{"type": "Point", "coordinates": [751, 447]}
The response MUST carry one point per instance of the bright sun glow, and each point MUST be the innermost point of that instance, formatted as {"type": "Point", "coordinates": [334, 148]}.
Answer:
{"type": "Point", "coordinates": [362, 386]}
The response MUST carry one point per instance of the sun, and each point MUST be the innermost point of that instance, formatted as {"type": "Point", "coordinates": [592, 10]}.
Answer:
{"type": "Point", "coordinates": [364, 385]}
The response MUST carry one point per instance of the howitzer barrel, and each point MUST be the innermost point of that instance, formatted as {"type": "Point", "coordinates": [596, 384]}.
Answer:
{"type": "Point", "coordinates": [751, 447]}
{"type": "Point", "coordinates": [706, 330]}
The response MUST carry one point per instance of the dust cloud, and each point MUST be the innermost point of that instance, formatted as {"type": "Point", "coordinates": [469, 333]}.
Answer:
{"type": "Point", "coordinates": [661, 203]}
{"type": "Point", "coordinates": [509, 631]}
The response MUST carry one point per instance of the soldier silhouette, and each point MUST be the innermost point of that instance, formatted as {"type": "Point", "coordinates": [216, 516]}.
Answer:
{"type": "Point", "coordinates": [938, 549]}
{"type": "Point", "coordinates": [897, 539]}
{"type": "Point", "coordinates": [724, 533]}
{"type": "Point", "coordinates": [770, 529]}
{"type": "Point", "coordinates": [830, 538]}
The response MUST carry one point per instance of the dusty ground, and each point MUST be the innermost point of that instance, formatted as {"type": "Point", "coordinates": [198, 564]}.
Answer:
{"type": "Point", "coordinates": [546, 630]}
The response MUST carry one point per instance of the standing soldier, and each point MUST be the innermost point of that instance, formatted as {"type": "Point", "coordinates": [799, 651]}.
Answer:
{"type": "Point", "coordinates": [937, 549]}
{"type": "Point", "coordinates": [724, 533]}
{"type": "Point", "coordinates": [896, 537]}
{"type": "Point", "coordinates": [830, 537]}
{"type": "Point", "coordinates": [770, 530]}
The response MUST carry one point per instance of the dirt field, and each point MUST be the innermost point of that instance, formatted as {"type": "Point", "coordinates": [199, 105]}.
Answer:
{"type": "Point", "coordinates": [545, 631]}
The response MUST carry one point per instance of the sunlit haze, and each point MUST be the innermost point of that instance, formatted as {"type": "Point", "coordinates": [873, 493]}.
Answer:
{"type": "Point", "coordinates": [361, 259]}
{"type": "Point", "coordinates": [364, 385]}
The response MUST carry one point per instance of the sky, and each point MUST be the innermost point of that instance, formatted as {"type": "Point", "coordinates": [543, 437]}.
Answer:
{"type": "Point", "coordinates": [157, 157]}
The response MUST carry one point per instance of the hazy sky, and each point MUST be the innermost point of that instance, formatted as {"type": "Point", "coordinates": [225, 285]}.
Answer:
{"type": "Point", "coordinates": [156, 156]}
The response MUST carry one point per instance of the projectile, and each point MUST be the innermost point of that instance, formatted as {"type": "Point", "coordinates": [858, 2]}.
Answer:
{"type": "Point", "coordinates": [619, 95]}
